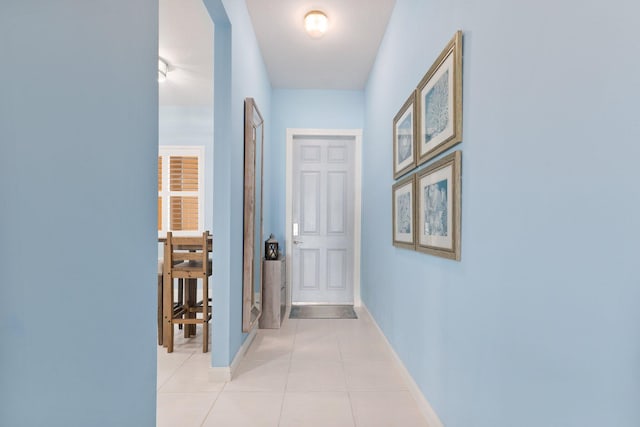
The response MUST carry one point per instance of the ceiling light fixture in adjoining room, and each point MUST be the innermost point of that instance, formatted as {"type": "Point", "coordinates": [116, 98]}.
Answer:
{"type": "Point", "coordinates": [163, 69]}
{"type": "Point", "coordinates": [316, 23]}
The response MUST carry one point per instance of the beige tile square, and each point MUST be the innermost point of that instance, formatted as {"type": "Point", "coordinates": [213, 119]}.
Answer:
{"type": "Point", "coordinates": [310, 330]}
{"type": "Point", "coordinates": [319, 348]}
{"type": "Point", "coordinates": [367, 375]}
{"type": "Point", "coordinates": [171, 358]}
{"type": "Point", "coordinates": [168, 364]}
{"type": "Point", "coordinates": [270, 346]}
{"type": "Point", "coordinates": [351, 324]}
{"type": "Point", "coordinates": [192, 377]}
{"type": "Point", "coordinates": [260, 375]}
{"type": "Point", "coordinates": [386, 409]}
{"type": "Point", "coordinates": [364, 346]}
{"type": "Point", "coordinates": [318, 409]}
{"type": "Point", "coordinates": [316, 375]}
{"type": "Point", "coordinates": [284, 331]}
{"type": "Point", "coordinates": [245, 409]}
{"type": "Point", "coordinates": [183, 409]}
{"type": "Point", "coordinates": [360, 331]}
{"type": "Point", "coordinates": [192, 344]}
{"type": "Point", "coordinates": [315, 327]}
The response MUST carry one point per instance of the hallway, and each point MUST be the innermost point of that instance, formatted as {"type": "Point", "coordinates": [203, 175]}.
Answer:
{"type": "Point", "coordinates": [308, 373]}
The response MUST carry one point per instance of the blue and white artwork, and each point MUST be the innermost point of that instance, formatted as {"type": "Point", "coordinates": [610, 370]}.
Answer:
{"type": "Point", "coordinates": [436, 212]}
{"type": "Point", "coordinates": [403, 215]}
{"type": "Point", "coordinates": [436, 108]}
{"type": "Point", "coordinates": [404, 133]}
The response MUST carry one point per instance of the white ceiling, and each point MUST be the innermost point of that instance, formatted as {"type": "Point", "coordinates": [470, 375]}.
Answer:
{"type": "Point", "coordinates": [341, 59]}
{"type": "Point", "coordinates": [186, 43]}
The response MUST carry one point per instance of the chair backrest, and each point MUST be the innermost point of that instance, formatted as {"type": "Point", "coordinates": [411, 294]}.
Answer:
{"type": "Point", "coordinates": [182, 253]}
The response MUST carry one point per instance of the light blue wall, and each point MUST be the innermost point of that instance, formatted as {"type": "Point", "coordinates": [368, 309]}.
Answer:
{"type": "Point", "coordinates": [235, 43]}
{"type": "Point", "coordinates": [538, 324]}
{"type": "Point", "coordinates": [221, 213]}
{"type": "Point", "coordinates": [180, 125]}
{"type": "Point", "coordinates": [314, 109]}
{"type": "Point", "coordinates": [78, 144]}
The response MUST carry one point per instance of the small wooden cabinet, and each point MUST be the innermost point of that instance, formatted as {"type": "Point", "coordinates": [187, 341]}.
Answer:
{"type": "Point", "coordinates": [274, 293]}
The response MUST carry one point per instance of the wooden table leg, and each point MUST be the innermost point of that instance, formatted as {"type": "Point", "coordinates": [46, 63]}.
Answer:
{"type": "Point", "coordinates": [205, 315]}
{"type": "Point", "coordinates": [160, 309]}
{"type": "Point", "coordinates": [181, 294]}
{"type": "Point", "coordinates": [167, 310]}
{"type": "Point", "coordinates": [187, 304]}
{"type": "Point", "coordinates": [193, 300]}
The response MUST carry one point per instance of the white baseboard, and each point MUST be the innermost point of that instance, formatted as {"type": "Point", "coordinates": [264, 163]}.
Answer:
{"type": "Point", "coordinates": [225, 373]}
{"type": "Point", "coordinates": [423, 404]}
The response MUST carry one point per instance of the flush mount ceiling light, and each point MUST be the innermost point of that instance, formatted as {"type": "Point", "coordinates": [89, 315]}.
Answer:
{"type": "Point", "coordinates": [316, 23]}
{"type": "Point", "coordinates": [163, 69]}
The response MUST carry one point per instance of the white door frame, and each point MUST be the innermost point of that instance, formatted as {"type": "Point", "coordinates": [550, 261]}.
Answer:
{"type": "Point", "coordinates": [356, 134]}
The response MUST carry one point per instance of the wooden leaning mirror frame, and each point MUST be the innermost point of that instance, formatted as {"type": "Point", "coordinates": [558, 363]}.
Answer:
{"type": "Point", "coordinates": [253, 236]}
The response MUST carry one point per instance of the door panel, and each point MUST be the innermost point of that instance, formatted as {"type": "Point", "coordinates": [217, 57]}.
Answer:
{"type": "Point", "coordinates": [336, 269]}
{"type": "Point", "coordinates": [310, 209]}
{"type": "Point", "coordinates": [310, 153]}
{"type": "Point", "coordinates": [336, 202]}
{"type": "Point", "coordinates": [309, 269]}
{"type": "Point", "coordinates": [323, 209]}
{"type": "Point", "coordinates": [337, 154]}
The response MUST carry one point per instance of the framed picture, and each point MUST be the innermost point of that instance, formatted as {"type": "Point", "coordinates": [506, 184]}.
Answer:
{"type": "Point", "coordinates": [404, 138]}
{"type": "Point", "coordinates": [404, 234]}
{"type": "Point", "coordinates": [439, 103]}
{"type": "Point", "coordinates": [438, 207]}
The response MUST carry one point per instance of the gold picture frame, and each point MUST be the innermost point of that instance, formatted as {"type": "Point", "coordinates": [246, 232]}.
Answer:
{"type": "Point", "coordinates": [439, 103]}
{"type": "Point", "coordinates": [438, 207]}
{"type": "Point", "coordinates": [404, 213]}
{"type": "Point", "coordinates": [404, 138]}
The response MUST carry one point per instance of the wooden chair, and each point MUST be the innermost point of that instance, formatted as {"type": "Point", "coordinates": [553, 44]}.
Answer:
{"type": "Point", "coordinates": [186, 259]}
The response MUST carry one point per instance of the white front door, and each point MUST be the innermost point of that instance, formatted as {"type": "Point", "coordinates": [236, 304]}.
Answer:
{"type": "Point", "coordinates": [323, 220]}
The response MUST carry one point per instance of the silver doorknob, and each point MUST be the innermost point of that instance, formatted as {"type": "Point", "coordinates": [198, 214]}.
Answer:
{"type": "Point", "coordinates": [298, 242]}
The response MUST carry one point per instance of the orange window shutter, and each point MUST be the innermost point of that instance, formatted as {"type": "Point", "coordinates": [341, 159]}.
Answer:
{"type": "Point", "coordinates": [183, 173]}
{"type": "Point", "coordinates": [184, 213]}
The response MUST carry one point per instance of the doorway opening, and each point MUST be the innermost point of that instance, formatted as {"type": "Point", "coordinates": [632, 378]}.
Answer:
{"type": "Point", "coordinates": [186, 146]}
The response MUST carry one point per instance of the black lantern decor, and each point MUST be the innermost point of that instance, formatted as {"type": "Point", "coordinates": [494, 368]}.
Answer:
{"type": "Point", "coordinates": [271, 248]}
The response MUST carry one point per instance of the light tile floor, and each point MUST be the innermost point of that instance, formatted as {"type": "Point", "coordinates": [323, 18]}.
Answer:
{"type": "Point", "coordinates": [325, 373]}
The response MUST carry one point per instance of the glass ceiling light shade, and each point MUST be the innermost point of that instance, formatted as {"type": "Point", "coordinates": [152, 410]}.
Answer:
{"type": "Point", "coordinates": [163, 69]}
{"type": "Point", "coordinates": [316, 23]}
